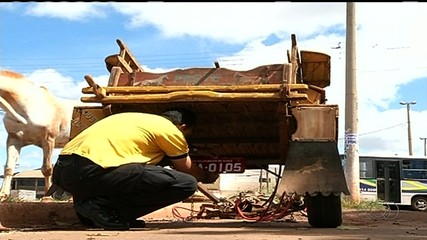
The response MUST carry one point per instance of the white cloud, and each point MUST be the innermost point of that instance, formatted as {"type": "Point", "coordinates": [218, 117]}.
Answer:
{"type": "Point", "coordinates": [233, 22]}
{"type": "Point", "coordinates": [67, 10]}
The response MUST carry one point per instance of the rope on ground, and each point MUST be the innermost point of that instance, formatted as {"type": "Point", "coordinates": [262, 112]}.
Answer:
{"type": "Point", "coordinates": [177, 214]}
{"type": "Point", "coordinates": [286, 206]}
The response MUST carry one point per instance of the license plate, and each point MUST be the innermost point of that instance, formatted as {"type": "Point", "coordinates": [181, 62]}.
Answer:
{"type": "Point", "coordinates": [225, 165]}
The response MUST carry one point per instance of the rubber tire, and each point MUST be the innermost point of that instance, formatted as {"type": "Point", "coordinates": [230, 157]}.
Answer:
{"type": "Point", "coordinates": [324, 211]}
{"type": "Point", "coordinates": [416, 207]}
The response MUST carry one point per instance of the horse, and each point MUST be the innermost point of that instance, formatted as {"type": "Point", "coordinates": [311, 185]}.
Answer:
{"type": "Point", "coordinates": [33, 116]}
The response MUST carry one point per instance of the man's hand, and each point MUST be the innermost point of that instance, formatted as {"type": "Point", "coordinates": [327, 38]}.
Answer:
{"type": "Point", "coordinates": [187, 166]}
{"type": "Point", "coordinates": [210, 177]}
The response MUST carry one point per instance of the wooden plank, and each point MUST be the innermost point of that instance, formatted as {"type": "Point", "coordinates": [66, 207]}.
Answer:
{"type": "Point", "coordinates": [125, 60]}
{"type": "Point", "coordinates": [316, 68]}
{"type": "Point", "coordinates": [195, 96]}
{"type": "Point", "coordinates": [165, 89]}
{"type": "Point", "coordinates": [114, 76]}
{"type": "Point", "coordinates": [128, 57]}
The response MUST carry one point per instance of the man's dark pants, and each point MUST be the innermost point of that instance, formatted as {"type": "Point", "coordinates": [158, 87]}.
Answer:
{"type": "Point", "coordinates": [133, 190]}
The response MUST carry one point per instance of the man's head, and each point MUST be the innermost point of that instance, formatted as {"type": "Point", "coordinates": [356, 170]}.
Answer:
{"type": "Point", "coordinates": [183, 118]}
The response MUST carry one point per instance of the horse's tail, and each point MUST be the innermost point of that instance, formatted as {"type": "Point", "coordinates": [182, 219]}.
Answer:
{"type": "Point", "coordinates": [5, 105]}
{"type": "Point", "coordinates": [6, 81]}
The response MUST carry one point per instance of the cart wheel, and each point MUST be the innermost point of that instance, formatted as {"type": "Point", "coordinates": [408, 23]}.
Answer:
{"type": "Point", "coordinates": [324, 211]}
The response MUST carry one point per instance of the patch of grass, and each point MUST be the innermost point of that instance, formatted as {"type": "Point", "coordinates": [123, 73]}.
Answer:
{"type": "Point", "coordinates": [364, 204]}
{"type": "Point", "coordinates": [13, 199]}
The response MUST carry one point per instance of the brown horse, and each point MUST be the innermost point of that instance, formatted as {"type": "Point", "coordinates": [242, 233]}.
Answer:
{"type": "Point", "coordinates": [33, 116]}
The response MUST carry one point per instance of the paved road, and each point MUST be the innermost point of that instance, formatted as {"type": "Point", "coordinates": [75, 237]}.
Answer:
{"type": "Point", "coordinates": [161, 225]}
{"type": "Point", "coordinates": [222, 229]}
{"type": "Point", "coordinates": [231, 229]}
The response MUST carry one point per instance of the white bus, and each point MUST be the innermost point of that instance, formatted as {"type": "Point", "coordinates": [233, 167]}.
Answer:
{"type": "Point", "coordinates": [394, 179]}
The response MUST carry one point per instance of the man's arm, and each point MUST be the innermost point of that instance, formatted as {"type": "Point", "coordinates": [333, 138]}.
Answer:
{"type": "Point", "coordinates": [187, 166]}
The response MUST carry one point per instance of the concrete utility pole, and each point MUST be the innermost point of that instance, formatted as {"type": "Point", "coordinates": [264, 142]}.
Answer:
{"type": "Point", "coordinates": [351, 167]}
{"type": "Point", "coordinates": [425, 146]}
{"type": "Point", "coordinates": [408, 110]}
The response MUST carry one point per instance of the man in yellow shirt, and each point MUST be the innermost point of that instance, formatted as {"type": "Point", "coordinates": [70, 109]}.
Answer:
{"type": "Point", "coordinates": [111, 168]}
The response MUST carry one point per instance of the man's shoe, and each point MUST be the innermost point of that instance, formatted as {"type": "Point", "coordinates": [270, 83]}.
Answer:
{"type": "Point", "coordinates": [85, 221]}
{"type": "Point", "coordinates": [101, 217]}
{"type": "Point", "coordinates": [137, 224]}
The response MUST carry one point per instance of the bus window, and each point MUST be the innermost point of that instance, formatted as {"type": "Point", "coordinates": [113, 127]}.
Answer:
{"type": "Point", "coordinates": [414, 169]}
{"type": "Point", "coordinates": [415, 174]}
{"type": "Point", "coordinates": [418, 164]}
{"type": "Point", "coordinates": [406, 164]}
{"type": "Point", "coordinates": [366, 168]}
{"type": "Point", "coordinates": [409, 174]}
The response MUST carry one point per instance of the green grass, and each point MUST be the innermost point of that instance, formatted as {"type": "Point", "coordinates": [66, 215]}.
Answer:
{"type": "Point", "coordinates": [350, 204]}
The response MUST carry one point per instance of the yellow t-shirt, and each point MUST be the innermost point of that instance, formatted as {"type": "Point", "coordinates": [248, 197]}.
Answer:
{"type": "Point", "coordinates": [129, 137]}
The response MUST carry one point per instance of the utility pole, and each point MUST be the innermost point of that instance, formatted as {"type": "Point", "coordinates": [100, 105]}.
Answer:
{"type": "Point", "coordinates": [408, 109]}
{"type": "Point", "coordinates": [425, 146]}
{"type": "Point", "coordinates": [351, 166]}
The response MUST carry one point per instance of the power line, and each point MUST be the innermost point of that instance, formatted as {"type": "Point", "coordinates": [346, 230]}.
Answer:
{"type": "Point", "coordinates": [379, 130]}
{"type": "Point", "coordinates": [383, 129]}
{"type": "Point", "coordinates": [151, 59]}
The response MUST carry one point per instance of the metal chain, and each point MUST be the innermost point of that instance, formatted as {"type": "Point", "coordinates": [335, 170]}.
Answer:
{"type": "Point", "coordinates": [192, 207]}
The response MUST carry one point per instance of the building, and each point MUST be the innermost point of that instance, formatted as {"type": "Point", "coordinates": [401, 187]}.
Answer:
{"type": "Point", "coordinates": [32, 180]}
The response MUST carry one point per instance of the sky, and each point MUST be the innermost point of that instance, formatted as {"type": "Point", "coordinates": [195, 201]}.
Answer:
{"type": "Point", "coordinates": [56, 44]}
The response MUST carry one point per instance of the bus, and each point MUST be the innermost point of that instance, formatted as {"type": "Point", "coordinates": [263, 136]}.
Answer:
{"type": "Point", "coordinates": [394, 179]}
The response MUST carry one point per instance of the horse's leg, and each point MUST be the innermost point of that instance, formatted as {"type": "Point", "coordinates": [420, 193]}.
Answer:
{"type": "Point", "coordinates": [47, 167]}
{"type": "Point", "coordinates": [13, 150]}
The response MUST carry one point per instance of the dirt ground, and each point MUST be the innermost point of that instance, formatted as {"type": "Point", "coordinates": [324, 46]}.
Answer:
{"type": "Point", "coordinates": [57, 221]}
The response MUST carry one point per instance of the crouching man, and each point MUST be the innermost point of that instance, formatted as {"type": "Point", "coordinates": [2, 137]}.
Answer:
{"type": "Point", "coordinates": [111, 168]}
